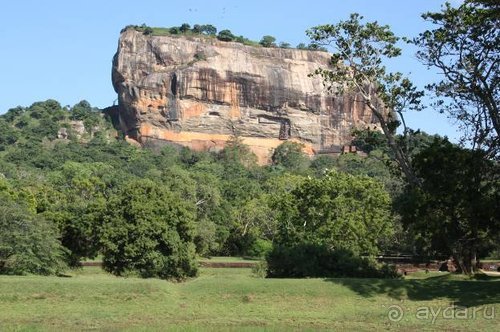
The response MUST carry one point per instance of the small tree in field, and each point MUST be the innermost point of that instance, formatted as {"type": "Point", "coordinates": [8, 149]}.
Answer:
{"type": "Point", "coordinates": [149, 230]}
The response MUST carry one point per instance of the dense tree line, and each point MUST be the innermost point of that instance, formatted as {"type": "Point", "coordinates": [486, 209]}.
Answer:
{"type": "Point", "coordinates": [150, 211]}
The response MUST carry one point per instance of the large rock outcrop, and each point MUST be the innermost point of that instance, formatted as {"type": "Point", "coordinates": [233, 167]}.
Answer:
{"type": "Point", "coordinates": [198, 92]}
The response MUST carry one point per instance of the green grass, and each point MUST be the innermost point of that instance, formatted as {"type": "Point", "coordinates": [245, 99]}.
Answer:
{"type": "Point", "coordinates": [232, 299]}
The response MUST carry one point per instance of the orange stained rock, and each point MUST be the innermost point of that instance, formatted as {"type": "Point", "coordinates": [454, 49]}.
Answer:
{"type": "Point", "coordinates": [193, 111]}
{"type": "Point", "coordinates": [261, 147]}
{"type": "Point", "coordinates": [149, 104]}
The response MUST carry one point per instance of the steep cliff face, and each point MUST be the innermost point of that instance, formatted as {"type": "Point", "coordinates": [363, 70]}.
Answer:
{"type": "Point", "coordinates": [198, 92]}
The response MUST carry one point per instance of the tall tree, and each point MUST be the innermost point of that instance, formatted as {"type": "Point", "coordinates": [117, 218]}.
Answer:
{"type": "Point", "coordinates": [149, 230]}
{"type": "Point", "coordinates": [464, 46]}
{"type": "Point", "coordinates": [455, 211]}
{"type": "Point", "coordinates": [359, 51]}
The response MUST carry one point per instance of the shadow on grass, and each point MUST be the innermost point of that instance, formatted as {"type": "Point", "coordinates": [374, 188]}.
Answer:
{"type": "Point", "coordinates": [469, 293]}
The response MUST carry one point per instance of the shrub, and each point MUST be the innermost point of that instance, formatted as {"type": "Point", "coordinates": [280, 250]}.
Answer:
{"type": "Point", "coordinates": [260, 248]}
{"type": "Point", "coordinates": [313, 260]}
{"type": "Point", "coordinates": [268, 41]}
{"type": "Point", "coordinates": [185, 27]}
{"type": "Point", "coordinates": [174, 30]}
{"type": "Point", "coordinates": [259, 270]}
{"type": "Point", "coordinates": [225, 35]}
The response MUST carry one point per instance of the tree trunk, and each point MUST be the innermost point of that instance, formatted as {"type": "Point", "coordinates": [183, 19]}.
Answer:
{"type": "Point", "coordinates": [459, 262]}
{"type": "Point", "coordinates": [466, 261]}
{"type": "Point", "coordinates": [474, 262]}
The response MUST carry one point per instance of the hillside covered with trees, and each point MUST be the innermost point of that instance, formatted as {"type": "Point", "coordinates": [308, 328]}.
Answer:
{"type": "Point", "coordinates": [74, 194]}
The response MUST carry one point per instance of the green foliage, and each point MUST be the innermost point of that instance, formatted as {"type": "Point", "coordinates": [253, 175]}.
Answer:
{"type": "Point", "coordinates": [254, 226]}
{"type": "Point", "coordinates": [376, 165]}
{"type": "Point", "coordinates": [149, 230]}
{"type": "Point", "coordinates": [208, 29]}
{"type": "Point", "coordinates": [318, 261]}
{"type": "Point", "coordinates": [205, 238]}
{"type": "Point", "coordinates": [13, 113]}
{"type": "Point", "coordinates": [322, 164]}
{"type": "Point", "coordinates": [455, 211]}
{"type": "Point", "coordinates": [338, 210]}
{"type": "Point", "coordinates": [197, 29]}
{"type": "Point", "coordinates": [8, 134]}
{"type": "Point", "coordinates": [290, 156]}
{"type": "Point", "coordinates": [232, 206]}
{"type": "Point", "coordinates": [28, 243]}
{"type": "Point", "coordinates": [82, 111]}
{"type": "Point", "coordinates": [174, 30]}
{"type": "Point", "coordinates": [316, 47]}
{"type": "Point", "coordinates": [43, 120]}
{"type": "Point", "coordinates": [185, 27]}
{"type": "Point", "coordinates": [236, 153]}
{"type": "Point", "coordinates": [78, 205]}
{"type": "Point", "coordinates": [260, 248]}
{"type": "Point", "coordinates": [268, 41]}
{"type": "Point", "coordinates": [311, 47]}
{"type": "Point", "coordinates": [368, 140]}
{"type": "Point", "coordinates": [245, 41]}
{"type": "Point", "coordinates": [226, 35]}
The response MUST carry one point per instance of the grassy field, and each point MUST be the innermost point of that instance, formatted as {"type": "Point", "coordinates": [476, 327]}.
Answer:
{"type": "Point", "coordinates": [232, 299]}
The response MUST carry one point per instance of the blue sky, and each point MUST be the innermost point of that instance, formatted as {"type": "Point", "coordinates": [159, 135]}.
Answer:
{"type": "Point", "coordinates": [63, 49]}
